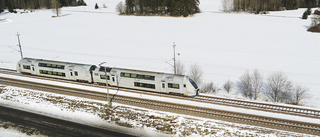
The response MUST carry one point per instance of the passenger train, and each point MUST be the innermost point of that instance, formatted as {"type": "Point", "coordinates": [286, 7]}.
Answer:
{"type": "Point", "coordinates": [118, 77]}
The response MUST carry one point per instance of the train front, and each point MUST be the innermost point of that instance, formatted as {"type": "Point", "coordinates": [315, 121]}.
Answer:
{"type": "Point", "coordinates": [192, 87]}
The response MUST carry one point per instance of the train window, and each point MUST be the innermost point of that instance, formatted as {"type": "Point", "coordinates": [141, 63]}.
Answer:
{"type": "Point", "coordinates": [144, 85]}
{"type": "Point", "coordinates": [163, 85]}
{"type": "Point", "coordinates": [52, 73]}
{"type": "Point", "coordinates": [60, 67]}
{"type": "Point", "coordinates": [193, 83]}
{"type": "Point", "coordinates": [76, 73]}
{"type": "Point", "coordinates": [152, 77]}
{"type": "Point", "coordinates": [133, 75]}
{"type": "Point", "coordinates": [61, 74]}
{"type": "Point", "coordinates": [104, 77]}
{"type": "Point", "coordinates": [138, 76]}
{"type": "Point", "coordinates": [172, 85]}
{"type": "Point", "coordinates": [127, 75]}
{"type": "Point", "coordinates": [113, 79]}
{"type": "Point", "coordinates": [184, 85]}
{"type": "Point", "coordinates": [26, 67]}
{"type": "Point", "coordinates": [51, 65]}
{"type": "Point", "coordinates": [70, 73]}
{"type": "Point", "coordinates": [103, 69]}
{"type": "Point", "coordinates": [147, 77]}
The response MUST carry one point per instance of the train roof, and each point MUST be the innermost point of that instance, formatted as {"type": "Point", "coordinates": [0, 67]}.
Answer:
{"type": "Point", "coordinates": [145, 71]}
{"type": "Point", "coordinates": [53, 61]}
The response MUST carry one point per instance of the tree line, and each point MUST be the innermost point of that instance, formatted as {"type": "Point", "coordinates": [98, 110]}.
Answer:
{"type": "Point", "coordinates": [258, 6]}
{"type": "Point", "coordinates": [36, 4]}
{"type": "Point", "coordinates": [276, 87]}
{"type": "Point", "coordinates": [162, 7]}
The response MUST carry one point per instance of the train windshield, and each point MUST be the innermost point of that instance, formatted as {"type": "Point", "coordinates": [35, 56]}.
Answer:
{"type": "Point", "coordinates": [193, 83]}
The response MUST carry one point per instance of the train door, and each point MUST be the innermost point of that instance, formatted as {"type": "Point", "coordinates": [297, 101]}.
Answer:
{"type": "Point", "coordinates": [72, 76]}
{"type": "Point", "coordinates": [163, 87]}
{"type": "Point", "coordinates": [113, 80]}
{"type": "Point", "coordinates": [32, 69]}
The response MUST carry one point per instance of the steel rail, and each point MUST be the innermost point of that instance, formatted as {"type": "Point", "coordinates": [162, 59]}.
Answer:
{"type": "Point", "coordinates": [290, 125]}
{"type": "Point", "coordinates": [298, 111]}
{"type": "Point", "coordinates": [277, 123]}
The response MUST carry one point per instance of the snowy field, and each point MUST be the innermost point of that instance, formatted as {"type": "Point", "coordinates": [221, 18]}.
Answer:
{"type": "Point", "coordinates": [224, 45]}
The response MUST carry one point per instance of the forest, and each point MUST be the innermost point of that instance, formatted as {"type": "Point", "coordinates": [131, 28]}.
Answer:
{"type": "Point", "coordinates": [162, 7]}
{"type": "Point", "coordinates": [258, 6]}
{"type": "Point", "coordinates": [36, 4]}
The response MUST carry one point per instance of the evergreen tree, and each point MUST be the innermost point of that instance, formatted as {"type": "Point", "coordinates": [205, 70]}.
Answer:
{"type": "Point", "coordinates": [305, 15]}
{"type": "Point", "coordinates": [36, 4]}
{"type": "Point", "coordinates": [2, 4]}
{"type": "Point", "coordinates": [10, 7]}
{"type": "Point", "coordinates": [309, 11]}
{"type": "Point", "coordinates": [82, 3]}
{"type": "Point", "coordinates": [96, 6]}
{"type": "Point", "coordinates": [162, 7]}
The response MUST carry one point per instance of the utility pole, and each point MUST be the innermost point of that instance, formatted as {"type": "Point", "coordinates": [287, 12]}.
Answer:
{"type": "Point", "coordinates": [19, 45]}
{"type": "Point", "coordinates": [174, 57]}
{"type": "Point", "coordinates": [105, 71]}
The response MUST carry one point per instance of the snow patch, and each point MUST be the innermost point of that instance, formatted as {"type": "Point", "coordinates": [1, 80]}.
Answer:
{"type": "Point", "coordinates": [5, 20]}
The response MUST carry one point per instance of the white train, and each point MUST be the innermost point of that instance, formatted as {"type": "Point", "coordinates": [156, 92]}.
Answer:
{"type": "Point", "coordinates": [127, 78]}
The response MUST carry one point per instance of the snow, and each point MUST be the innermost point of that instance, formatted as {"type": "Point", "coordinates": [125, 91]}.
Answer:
{"type": "Point", "coordinates": [12, 133]}
{"type": "Point", "coordinates": [224, 45]}
{"type": "Point", "coordinates": [172, 100]}
{"type": "Point", "coordinates": [142, 122]}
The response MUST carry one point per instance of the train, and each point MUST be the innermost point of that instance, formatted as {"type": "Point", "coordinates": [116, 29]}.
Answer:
{"type": "Point", "coordinates": [117, 77]}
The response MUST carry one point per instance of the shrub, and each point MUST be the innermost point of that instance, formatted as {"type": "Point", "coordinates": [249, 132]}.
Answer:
{"type": "Point", "coordinates": [317, 12]}
{"type": "Point", "coordinates": [315, 25]}
{"type": "Point", "coordinates": [305, 15]}
{"type": "Point", "coordinates": [96, 7]}
{"type": "Point", "coordinates": [309, 11]}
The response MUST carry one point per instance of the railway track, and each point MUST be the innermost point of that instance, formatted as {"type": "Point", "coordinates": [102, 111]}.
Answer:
{"type": "Point", "coordinates": [288, 109]}
{"type": "Point", "coordinates": [290, 125]}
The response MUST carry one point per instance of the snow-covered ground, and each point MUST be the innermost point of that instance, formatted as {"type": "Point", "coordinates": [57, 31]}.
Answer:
{"type": "Point", "coordinates": [171, 100]}
{"type": "Point", "coordinates": [124, 118]}
{"type": "Point", "coordinates": [224, 45]}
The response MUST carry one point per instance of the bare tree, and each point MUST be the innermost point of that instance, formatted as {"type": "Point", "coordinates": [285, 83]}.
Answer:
{"type": "Point", "coordinates": [228, 86]}
{"type": "Point", "coordinates": [278, 87]}
{"type": "Point", "coordinates": [180, 68]}
{"type": "Point", "coordinates": [195, 73]}
{"type": "Point", "coordinates": [299, 93]}
{"type": "Point", "coordinates": [227, 5]}
{"type": "Point", "coordinates": [209, 88]}
{"type": "Point", "coordinates": [121, 8]}
{"type": "Point", "coordinates": [257, 83]}
{"type": "Point", "coordinates": [55, 5]}
{"type": "Point", "coordinates": [245, 85]}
